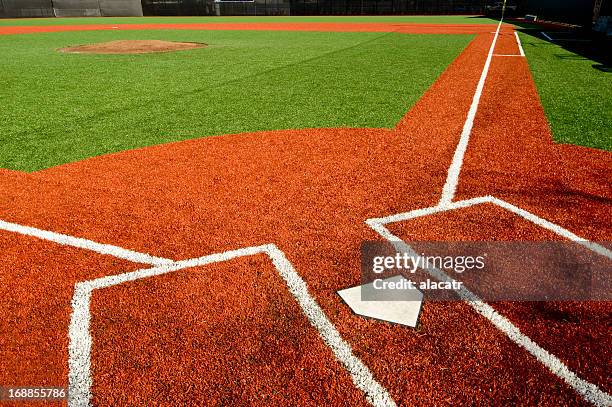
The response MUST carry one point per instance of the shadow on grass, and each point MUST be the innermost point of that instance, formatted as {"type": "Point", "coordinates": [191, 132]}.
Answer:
{"type": "Point", "coordinates": [583, 42]}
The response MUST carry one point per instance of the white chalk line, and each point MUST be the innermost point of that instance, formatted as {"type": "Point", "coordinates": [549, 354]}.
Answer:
{"type": "Point", "coordinates": [587, 390]}
{"type": "Point", "coordinates": [80, 341]}
{"type": "Point", "coordinates": [599, 249]}
{"type": "Point", "coordinates": [417, 213]}
{"type": "Point", "coordinates": [549, 38]}
{"type": "Point", "coordinates": [452, 177]}
{"type": "Point", "coordinates": [376, 394]}
{"type": "Point", "coordinates": [520, 46]}
{"type": "Point", "coordinates": [86, 244]}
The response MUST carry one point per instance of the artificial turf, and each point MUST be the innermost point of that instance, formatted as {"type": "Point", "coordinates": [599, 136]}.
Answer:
{"type": "Point", "coordinates": [61, 107]}
{"type": "Point", "coordinates": [246, 19]}
{"type": "Point", "coordinates": [575, 94]}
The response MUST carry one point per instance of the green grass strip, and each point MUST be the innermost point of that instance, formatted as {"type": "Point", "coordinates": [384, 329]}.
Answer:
{"type": "Point", "coordinates": [59, 108]}
{"type": "Point", "coordinates": [577, 97]}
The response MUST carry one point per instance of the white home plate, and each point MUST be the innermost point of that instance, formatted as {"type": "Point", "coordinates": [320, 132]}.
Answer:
{"type": "Point", "coordinates": [404, 309]}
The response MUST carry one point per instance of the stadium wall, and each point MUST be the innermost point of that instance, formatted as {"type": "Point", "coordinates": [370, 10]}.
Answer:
{"type": "Point", "coordinates": [69, 8]}
{"type": "Point", "coordinates": [578, 12]}
{"type": "Point", "coordinates": [312, 7]}
{"type": "Point", "coordinates": [26, 8]}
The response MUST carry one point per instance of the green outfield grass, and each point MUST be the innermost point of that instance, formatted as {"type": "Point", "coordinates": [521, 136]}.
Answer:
{"type": "Point", "coordinates": [61, 107]}
{"type": "Point", "coordinates": [259, 19]}
{"type": "Point", "coordinates": [577, 97]}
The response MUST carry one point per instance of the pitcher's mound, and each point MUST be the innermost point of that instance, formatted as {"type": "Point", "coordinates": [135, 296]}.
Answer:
{"type": "Point", "coordinates": [132, 47]}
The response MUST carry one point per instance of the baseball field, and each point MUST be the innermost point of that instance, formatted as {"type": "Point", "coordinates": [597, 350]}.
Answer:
{"type": "Point", "coordinates": [182, 198]}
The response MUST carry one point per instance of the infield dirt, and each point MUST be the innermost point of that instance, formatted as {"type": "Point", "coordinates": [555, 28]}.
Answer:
{"type": "Point", "coordinates": [132, 47]}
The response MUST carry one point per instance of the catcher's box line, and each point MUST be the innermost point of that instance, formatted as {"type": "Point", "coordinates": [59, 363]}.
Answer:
{"type": "Point", "coordinates": [80, 341]}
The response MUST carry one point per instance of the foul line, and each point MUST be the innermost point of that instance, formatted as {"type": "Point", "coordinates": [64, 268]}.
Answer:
{"type": "Point", "coordinates": [80, 341]}
{"type": "Point", "coordinates": [589, 391]}
{"type": "Point", "coordinates": [452, 178]}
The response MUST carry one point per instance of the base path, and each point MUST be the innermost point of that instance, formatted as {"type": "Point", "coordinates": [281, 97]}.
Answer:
{"type": "Point", "coordinates": [309, 192]}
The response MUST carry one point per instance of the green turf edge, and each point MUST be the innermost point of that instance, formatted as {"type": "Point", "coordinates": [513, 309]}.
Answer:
{"type": "Point", "coordinates": [576, 96]}
{"type": "Point", "coordinates": [67, 117]}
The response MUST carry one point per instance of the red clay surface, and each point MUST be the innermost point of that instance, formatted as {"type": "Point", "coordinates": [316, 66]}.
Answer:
{"type": "Point", "coordinates": [36, 283]}
{"type": "Point", "coordinates": [309, 191]}
{"type": "Point", "coordinates": [576, 332]}
{"type": "Point", "coordinates": [326, 27]}
{"type": "Point", "coordinates": [230, 323]}
{"type": "Point", "coordinates": [132, 47]}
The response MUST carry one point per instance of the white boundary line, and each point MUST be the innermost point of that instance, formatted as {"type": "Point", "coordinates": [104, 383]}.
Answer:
{"type": "Point", "coordinates": [86, 244]}
{"type": "Point", "coordinates": [520, 46]}
{"type": "Point", "coordinates": [418, 213]}
{"type": "Point", "coordinates": [589, 391]}
{"type": "Point", "coordinates": [80, 341]}
{"type": "Point", "coordinates": [547, 36]}
{"type": "Point", "coordinates": [599, 249]}
{"type": "Point", "coordinates": [452, 178]}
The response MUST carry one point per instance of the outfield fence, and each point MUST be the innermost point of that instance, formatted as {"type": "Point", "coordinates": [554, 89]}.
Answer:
{"type": "Point", "coordinates": [311, 7]}
{"type": "Point", "coordinates": [69, 8]}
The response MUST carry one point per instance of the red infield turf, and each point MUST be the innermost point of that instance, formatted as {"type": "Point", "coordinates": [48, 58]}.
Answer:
{"type": "Point", "coordinates": [232, 331]}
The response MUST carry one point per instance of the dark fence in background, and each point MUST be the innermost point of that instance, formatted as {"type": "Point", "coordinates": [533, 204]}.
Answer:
{"type": "Point", "coordinates": [76, 8]}
{"type": "Point", "coordinates": [570, 11]}
{"type": "Point", "coordinates": [26, 8]}
{"type": "Point", "coordinates": [566, 11]}
{"type": "Point", "coordinates": [312, 7]}
{"type": "Point", "coordinates": [69, 8]}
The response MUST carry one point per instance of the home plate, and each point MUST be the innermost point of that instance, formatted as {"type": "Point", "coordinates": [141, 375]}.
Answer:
{"type": "Point", "coordinates": [400, 306]}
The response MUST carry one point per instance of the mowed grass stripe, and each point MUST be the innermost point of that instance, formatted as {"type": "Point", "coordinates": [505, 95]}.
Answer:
{"type": "Point", "coordinates": [67, 107]}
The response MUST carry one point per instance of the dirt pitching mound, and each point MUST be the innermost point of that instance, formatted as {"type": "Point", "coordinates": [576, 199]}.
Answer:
{"type": "Point", "coordinates": [133, 47]}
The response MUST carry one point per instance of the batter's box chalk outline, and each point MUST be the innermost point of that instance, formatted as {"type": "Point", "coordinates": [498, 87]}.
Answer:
{"type": "Point", "coordinates": [80, 342]}
{"type": "Point", "coordinates": [587, 390]}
